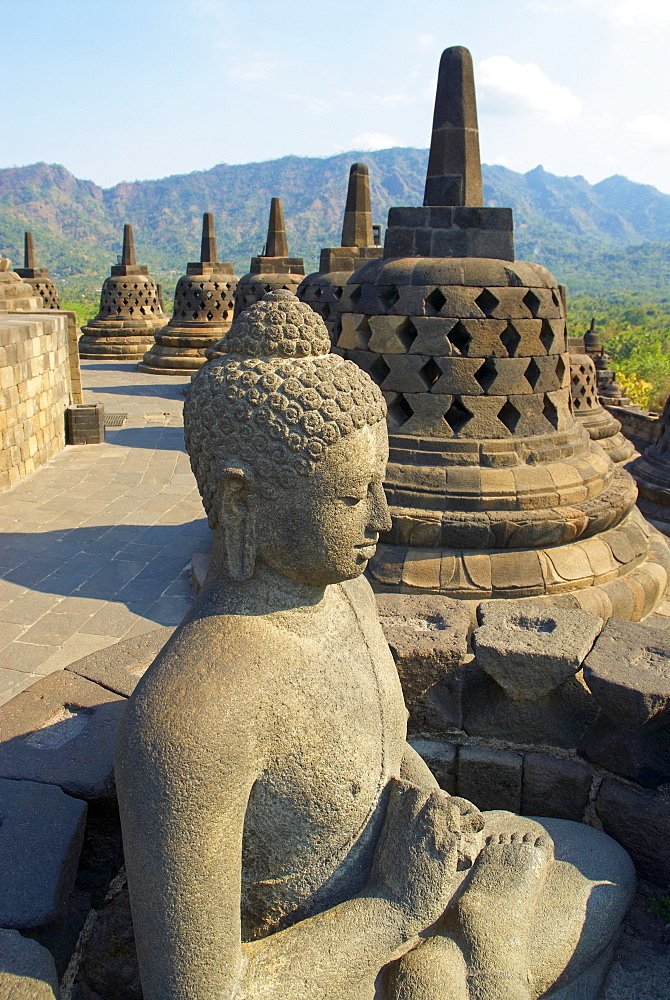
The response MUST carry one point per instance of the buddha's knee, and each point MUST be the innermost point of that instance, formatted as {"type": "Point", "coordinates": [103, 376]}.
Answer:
{"type": "Point", "coordinates": [435, 970]}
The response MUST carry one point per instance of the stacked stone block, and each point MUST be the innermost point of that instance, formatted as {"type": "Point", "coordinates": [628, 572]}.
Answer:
{"type": "Point", "coordinates": [35, 388]}
{"type": "Point", "coordinates": [601, 425]}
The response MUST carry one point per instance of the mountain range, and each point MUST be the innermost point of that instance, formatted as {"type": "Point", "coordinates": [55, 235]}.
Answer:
{"type": "Point", "coordinates": [598, 238]}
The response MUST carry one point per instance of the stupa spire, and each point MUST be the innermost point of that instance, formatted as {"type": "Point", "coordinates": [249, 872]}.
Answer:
{"type": "Point", "coordinates": [28, 251]}
{"type": "Point", "coordinates": [208, 243]}
{"type": "Point", "coordinates": [454, 175]}
{"type": "Point", "coordinates": [276, 244]}
{"type": "Point", "coordinates": [357, 227]}
{"type": "Point", "coordinates": [128, 252]}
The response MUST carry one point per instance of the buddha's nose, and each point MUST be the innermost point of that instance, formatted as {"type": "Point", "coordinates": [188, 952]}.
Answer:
{"type": "Point", "coordinates": [380, 519]}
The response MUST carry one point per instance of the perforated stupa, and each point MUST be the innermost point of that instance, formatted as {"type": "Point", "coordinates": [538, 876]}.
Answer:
{"type": "Point", "coordinates": [202, 314]}
{"type": "Point", "coordinates": [495, 489]}
{"type": "Point", "coordinates": [38, 277]}
{"type": "Point", "coordinates": [130, 310]}
{"type": "Point", "coordinates": [273, 268]}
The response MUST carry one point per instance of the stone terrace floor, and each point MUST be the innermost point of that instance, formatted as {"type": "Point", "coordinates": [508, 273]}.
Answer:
{"type": "Point", "coordinates": [95, 546]}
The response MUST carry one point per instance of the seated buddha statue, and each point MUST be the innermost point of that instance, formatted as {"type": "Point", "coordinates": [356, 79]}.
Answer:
{"type": "Point", "coordinates": [282, 839]}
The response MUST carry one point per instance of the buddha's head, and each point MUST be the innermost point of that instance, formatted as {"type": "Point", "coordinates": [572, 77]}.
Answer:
{"type": "Point", "coordinates": [288, 445]}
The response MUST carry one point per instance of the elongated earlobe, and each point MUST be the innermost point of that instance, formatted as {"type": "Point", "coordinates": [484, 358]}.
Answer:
{"type": "Point", "coordinates": [238, 522]}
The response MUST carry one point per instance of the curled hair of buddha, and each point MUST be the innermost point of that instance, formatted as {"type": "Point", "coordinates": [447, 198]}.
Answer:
{"type": "Point", "coordinates": [275, 400]}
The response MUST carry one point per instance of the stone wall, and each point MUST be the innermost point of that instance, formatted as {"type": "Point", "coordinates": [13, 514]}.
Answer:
{"type": "Point", "coordinates": [638, 426]}
{"type": "Point", "coordinates": [39, 378]}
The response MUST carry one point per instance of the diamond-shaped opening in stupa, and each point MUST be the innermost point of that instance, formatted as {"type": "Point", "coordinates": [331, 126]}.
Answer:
{"type": "Point", "coordinates": [407, 333]}
{"type": "Point", "coordinates": [378, 370]}
{"type": "Point", "coordinates": [550, 412]}
{"type": "Point", "coordinates": [430, 373]}
{"type": "Point", "coordinates": [509, 416]}
{"type": "Point", "coordinates": [532, 373]}
{"type": "Point", "coordinates": [337, 291]}
{"type": "Point", "coordinates": [560, 371]}
{"type": "Point", "coordinates": [326, 310]}
{"type": "Point", "coordinates": [547, 335]}
{"type": "Point", "coordinates": [398, 413]}
{"type": "Point", "coordinates": [487, 302]}
{"type": "Point", "coordinates": [510, 338]}
{"type": "Point", "coordinates": [356, 294]}
{"type": "Point", "coordinates": [363, 334]}
{"type": "Point", "coordinates": [459, 337]}
{"type": "Point", "coordinates": [318, 293]}
{"type": "Point", "coordinates": [434, 302]}
{"type": "Point", "coordinates": [532, 302]}
{"type": "Point", "coordinates": [556, 300]}
{"type": "Point", "coordinates": [486, 374]}
{"type": "Point", "coordinates": [388, 297]}
{"type": "Point", "coordinates": [458, 415]}
{"type": "Point", "coordinates": [577, 403]}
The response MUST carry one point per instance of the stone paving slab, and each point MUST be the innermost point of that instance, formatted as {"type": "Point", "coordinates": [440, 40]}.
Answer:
{"type": "Point", "coordinates": [94, 547]}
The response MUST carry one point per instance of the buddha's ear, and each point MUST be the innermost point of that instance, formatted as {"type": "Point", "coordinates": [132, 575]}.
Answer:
{"type": "Point", "coordinates": [237, 519]}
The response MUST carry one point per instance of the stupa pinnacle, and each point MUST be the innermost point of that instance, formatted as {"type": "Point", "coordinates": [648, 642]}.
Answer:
{"type": "Point", "coordinates": [273, 268]}
{"type": "Point", "coordinates": [203, 312]}
{"type": "Point", "coordinates": [322, 290]}
{"type": "Point", "coordinates": [38, 277]}
{"type": "Point", "coordinates": [130, 310]}
{"type": "Point", "coordinates": [495, 489]}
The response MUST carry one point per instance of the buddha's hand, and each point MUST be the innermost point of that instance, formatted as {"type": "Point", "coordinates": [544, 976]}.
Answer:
{"type": "Point", "coordinates": [429, 838]}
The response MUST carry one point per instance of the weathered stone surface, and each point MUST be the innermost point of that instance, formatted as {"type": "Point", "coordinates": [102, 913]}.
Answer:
{"type": "Point", "coordinates": [62, 731]}
{"type": "Point", "coordinates": [109, 958]}
{"type": "Point", "coordinates": [41, 834]}
{"type": "Point", "coordinates": [640, 822]}
{"type": "Point", "coordinates": [119, 667]}
{"type": "Point", "coordinates": [268, 739]}
{"type": "Point", "coordinates": [27, 970]}
{"type": "Point", "coordinates": [628, 671]}
{"type": "Point", "coordinates": [441, 757]}
{"type": "Point", "coordinates": [554, 786]}
{"type": "Point", "coordinates": [428, 637]}
{"type": "Point", "coordinates": [490, 778]}
{"type": "Point", "coordinates": [530, 649]}
{"type": "Point", "coordinates": [38, 277]}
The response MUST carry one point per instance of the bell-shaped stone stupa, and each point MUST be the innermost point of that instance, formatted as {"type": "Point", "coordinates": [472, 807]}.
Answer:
{"type": "Point", "coordinates": [130, 311]}
{"type": "Point", "coordinates": [38, 277]}
{"type": "Point", "coordinates": [203, 312]}
{"type": "Point", "coordinates": [495, 489]}
{"type": "Point", "coordinates": [652, 472]}
{"type": "Point", "coordinates": [273, 268]}
{"type": "Point", "coordinates": [601, 425]}
{"type": "Point", "coordinates": [322, 290]}
{"type": "Point", "coordinates": [609, 390]}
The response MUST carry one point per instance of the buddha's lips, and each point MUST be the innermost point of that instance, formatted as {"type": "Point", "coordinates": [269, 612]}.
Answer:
{"type": "Point", "coordinates": [367, 550]}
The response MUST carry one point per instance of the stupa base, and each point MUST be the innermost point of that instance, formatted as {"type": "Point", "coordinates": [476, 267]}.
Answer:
{"type": "Point", "coordinates": [123, 343]}
{"type": "Point", "coordinates": [623, 572]}
{"type": "Point", "coordinates": [180, 352]}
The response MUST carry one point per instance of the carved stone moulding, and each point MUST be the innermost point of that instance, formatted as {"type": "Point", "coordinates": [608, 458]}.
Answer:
{"type": "Point", "coordinates": [601, 425]}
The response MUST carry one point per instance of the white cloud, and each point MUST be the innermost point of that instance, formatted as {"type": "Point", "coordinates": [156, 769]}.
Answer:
{"type": "Point", "coordinates": [652, 132]}
{"type": "Point", "coordinates": [258, 69]}
{"type": "Point", "coordinates": [370, 141]}
{"type": "Point", "coordinates": [509, 87]}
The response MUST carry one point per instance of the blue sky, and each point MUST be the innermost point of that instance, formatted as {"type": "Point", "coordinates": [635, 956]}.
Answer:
{"type": "Point", "coordinates": [145, 88]}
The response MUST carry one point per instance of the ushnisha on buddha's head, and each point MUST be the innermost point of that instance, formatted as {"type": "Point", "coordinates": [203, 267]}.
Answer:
{"type": "Point", "coordinates": [288, 445]}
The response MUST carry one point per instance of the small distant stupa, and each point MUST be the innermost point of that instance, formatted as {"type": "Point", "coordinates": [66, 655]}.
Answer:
{"type": "Point", "coordinates": [322, 290]}
{"type": "Point", "coordinates": [16, 295]}
{"type": "Point", "coordinates": [38, 277]}
{"type": "Point", "coordinates": [273, 268]}
{"type": "Point", "coordinates": [203, 312]}
{"type": "Point", "coordinates": [130, 310]}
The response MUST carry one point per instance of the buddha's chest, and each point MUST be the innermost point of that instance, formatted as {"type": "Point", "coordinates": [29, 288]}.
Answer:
{"type": "Point", "coordinates": [340, 725]}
